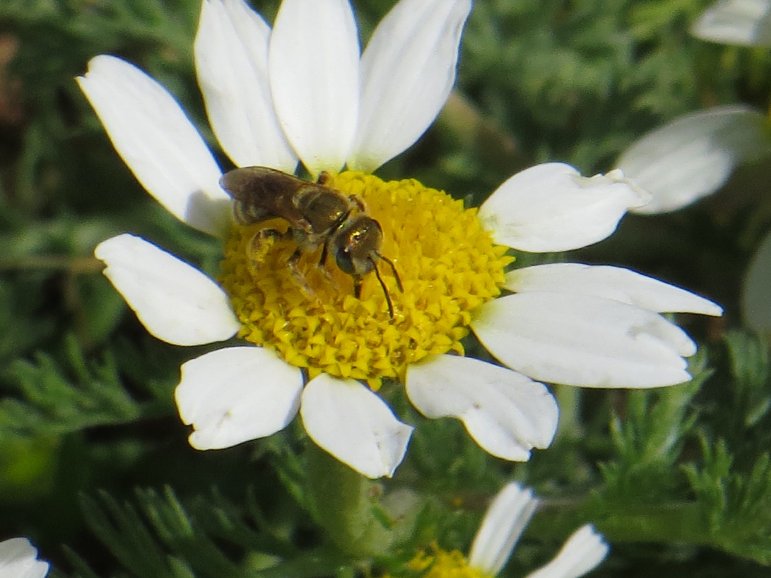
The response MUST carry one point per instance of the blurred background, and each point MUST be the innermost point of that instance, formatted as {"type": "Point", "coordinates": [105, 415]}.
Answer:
{"type": "Point", "coordinates": [94, 464]}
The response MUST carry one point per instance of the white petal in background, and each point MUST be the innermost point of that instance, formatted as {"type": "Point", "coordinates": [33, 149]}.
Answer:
{"type": "Point", "coordinates": [352, 423]}
{"type": "Point", "coordinates": [583, 340]}
{"type": "Point", "coordinates": [408, 70]}
{"type": "Point", "coordinates": [551, 207]}
{"type": "Point", "coordinates": [744, 22]}
{"type": "Point", "coordinates": [756, 290]}
{"type": "Point", "coordinates": [314, 76]}
{"type": "Point", "coordinates": [506, 413]}
{"type": "Point", "coordinates": [693, 156]}
{"type": "Point", "coordinates": [583, 551]}
{"type": "Point", "coordinates": [157, 142]}
{"type": "Point", "coordinates": [503, 524]}
{"type": "Point", "coordinates": [18, 559]}
{"type": "Point", "coordinates": [237, 394]}
{"type": "Point", "coordinates": [174, 301]}
{"type": "Point", "coordinates": [231, 58]}
{"type": "Point", "coordinates": [610, 283]}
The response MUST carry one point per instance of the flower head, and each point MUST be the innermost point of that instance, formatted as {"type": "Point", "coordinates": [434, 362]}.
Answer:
{"type": "Point", "coordinates": [503, 524]}
{"type": "Point", "coordinates": [322, 337]}
{"type": "Point", "coordinates": [18, 559]}
{"type": "Point", "coordinates": [446, 258]}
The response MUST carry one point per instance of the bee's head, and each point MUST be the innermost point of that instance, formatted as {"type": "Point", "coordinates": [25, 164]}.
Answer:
{"type": "Point", "coordinates": [357, 245]}
{"type": "Point", "coordinates": [357, 250]}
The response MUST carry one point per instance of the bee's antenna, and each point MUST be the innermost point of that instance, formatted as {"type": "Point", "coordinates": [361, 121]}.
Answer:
{"type": "Point", "coordinates": [383, 286]}
{"type": "Point", "coordinates": [393, 268]}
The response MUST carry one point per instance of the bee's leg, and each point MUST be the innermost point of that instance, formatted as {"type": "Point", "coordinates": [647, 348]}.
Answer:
{"type": "Point", "coordinates": [323, 178]}
{"type": "Point", "coordinates": [357, 282]}
{"type": "Point", "coordinates": [292, 263]}
{"type": "Point", "coordinates": [299, 277]}
{"type": "Point", "coordinates": [324, 253]}
{"type": "Point", "coordinates": [323, 261]}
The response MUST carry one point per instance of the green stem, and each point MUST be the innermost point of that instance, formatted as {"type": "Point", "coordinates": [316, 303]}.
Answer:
{"type": "Point", "coordinates": [569, 400]}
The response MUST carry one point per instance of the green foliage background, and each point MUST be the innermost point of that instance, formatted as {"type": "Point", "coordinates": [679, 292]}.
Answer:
{"type": "Point", "coordinates": [94, 463]}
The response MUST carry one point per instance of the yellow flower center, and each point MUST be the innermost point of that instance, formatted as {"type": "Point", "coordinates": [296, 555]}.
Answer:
{"type": "Point", "coordinates": [439, 563]}
{"type": "Point", "coordinates": [446, 261]}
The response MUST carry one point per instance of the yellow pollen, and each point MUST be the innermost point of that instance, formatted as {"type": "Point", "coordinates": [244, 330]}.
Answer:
{"type": "Point", "coordinates": [447, 263]}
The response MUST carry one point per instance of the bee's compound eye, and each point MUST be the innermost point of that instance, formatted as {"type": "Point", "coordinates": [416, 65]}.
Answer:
{"type": "Point", "coordinates": [345, 261]}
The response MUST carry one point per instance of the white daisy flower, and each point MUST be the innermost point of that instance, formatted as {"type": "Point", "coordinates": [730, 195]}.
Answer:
{"type": "Point", "coordinates": [301, 92]}
{"type": "Point", "coordinates": [501, 528]}
{"type": "Point", "coordinates": [742, 22]}
{"type": "Point", "coordinates": [756, 305]}
{"type": "Point", "coordinates": [692, 156]}
{"type": "Point", "coordinates": [18, 559]}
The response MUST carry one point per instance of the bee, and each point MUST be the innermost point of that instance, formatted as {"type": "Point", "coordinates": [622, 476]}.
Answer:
{"type": "Point", "coordinates": [318, 216]}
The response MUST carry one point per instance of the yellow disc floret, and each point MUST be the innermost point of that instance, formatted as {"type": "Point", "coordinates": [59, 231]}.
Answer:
{"type": "Point", "coordinates": [309, 315]}
{"type": "Point", "coordinates": [438, 563]}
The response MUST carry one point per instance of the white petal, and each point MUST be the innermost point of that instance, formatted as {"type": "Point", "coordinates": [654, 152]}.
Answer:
{"type": "Point", "coordinates": [314, 75]}
{"type": "Point", "coordinates": [353, 424]}
{"type": "Point", "coordinates": [610, 283]}
{"type": "Point", "coordinates": [174, 301]}
{"type": "Point", "coordinates": [237, 394]}
{"type": "Point", "coordinates": [551, 207]}
{"type": "Point", "coordinates": [408, 70]}
{"type": "Point", "coordinates": [583, 340]}
{"type": "Point", "coordinates": [745, 22]}
{"type": "Point", "coordinates": [18, 559]}
{"type": "Point", "coordinates": [582, 552]}
{"type": "Point", "coordinates": [692, 156]}
{"type": "Point", "coordinates": [157, 142]}
{"type": "Point", "coordinates": [231, 58]}
{"type": "Point", "coordinates": [506, 413]}
{"type": "Point", "coordinates": [504, 521]}
{"type": "Point", "coordinates": [756, 290]}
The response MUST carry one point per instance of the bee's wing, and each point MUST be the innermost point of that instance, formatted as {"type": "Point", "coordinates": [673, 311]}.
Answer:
{"type": "Point", "coordinates": [254, 183]}
{"type": "Point", "coordinates": [262, 193]}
